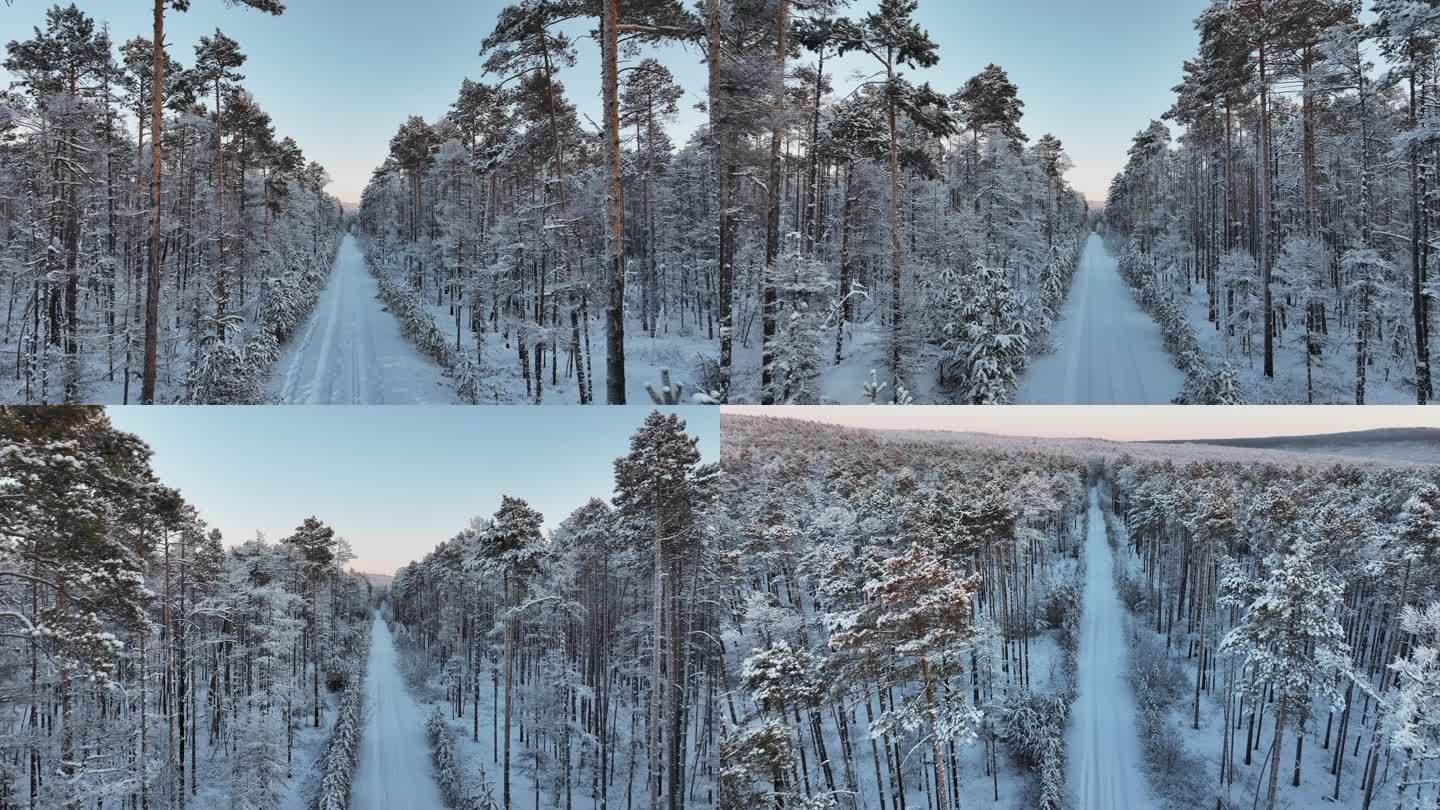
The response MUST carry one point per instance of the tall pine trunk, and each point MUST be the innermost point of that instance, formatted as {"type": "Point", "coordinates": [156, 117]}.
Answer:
{"type": "Point", "coordinates": [152, 282]}
{"type": "Point", "coordinates": [718, 131]}
{"type": "Point", "coordinates": [1266, 249]}
{"type": "Point", "coordinates": [1418, 212]}
{"type": "Point", "coordinates": [895, 265]}
{"type": "Point", "coordinates": [615, 244]}
{"type": "Point", "coordinates": [657, 690]}
{"type": "Point", "coordinates": [846, 212]}
{"type": "Point", "coordinates": [222, 293]}
{"type": "Point", "coordinates": [770, 300]}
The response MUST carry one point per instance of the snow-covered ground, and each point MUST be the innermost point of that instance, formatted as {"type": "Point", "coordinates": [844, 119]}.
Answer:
{"type": "Point", "coordinates": [684, 348]}
{"type": "Point", "coordinates": [479, 747]}
{"type": "Point", "coordinates": [1108, 351]}
{"type": "Point", "coordinates": [216, 788]}
{"type": "Point", "coordinates": [351, 351]}
{"type": "Point", "coordinates": [394, 769]}
{"type": "Point", "coordinates": [1332, 372]}
{"type": "Point", "coordinates": [1106, 769]}
{"type": "Point", "coordinates": [867, 349]}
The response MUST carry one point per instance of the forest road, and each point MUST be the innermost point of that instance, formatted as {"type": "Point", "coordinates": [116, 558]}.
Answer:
{"type": "Point", "coordinates": [394, 769]}
{"type": "Point", "coordinates": [1106, 769]}
{"type": "Point", "coordinates": [1108, 351]}
{"type": "Point", "coordinates": [350, 351]}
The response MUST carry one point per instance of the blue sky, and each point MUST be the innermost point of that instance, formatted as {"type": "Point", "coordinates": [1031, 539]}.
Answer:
{"type": "Point", "coordinates": [340, 75]}
{"type": "Point", "coordinates": [394, 481]}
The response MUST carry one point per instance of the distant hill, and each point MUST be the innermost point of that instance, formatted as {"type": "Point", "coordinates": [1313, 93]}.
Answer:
{"type": "Point", "coordinates": [1420, 445]}
{"type": "Point", "coordinates": [378, 580]}
{"type": "Point", "coordinates": [1406, 447]}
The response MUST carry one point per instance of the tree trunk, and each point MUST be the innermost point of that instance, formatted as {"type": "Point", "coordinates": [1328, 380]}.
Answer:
{"type": "Point", "coordinates": [222, 293]}
{"type": "Point", "coordinates": [657, 691]}
{"type": "Point", "coordinates": [615, 246]}
{"type": "Point", "coordinates": [770, 301]}
{"type": "Point", "coordinates": [152, 282]}
{"type": "Point", "coordinates": [1280, 716]}
{"type": "Point", "coordinates": [1265, 216]}
{"type": "Point", "coordinates": [895, 266]}
{"type": "Point", "coordinates": [725, 283]}
{"type": "Point", "coordinates": [846, 212]}
{"type": "Point", "coordinates": [1417, 262]}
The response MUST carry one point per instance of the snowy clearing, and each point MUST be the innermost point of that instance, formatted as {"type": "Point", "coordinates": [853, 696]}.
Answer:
{"type": "Point", "coordinates": [1109, 351]}
{"type": "Point", "coordinates": [351, 350]}
{"type": "Point", "coordinates": [1105, 763]}
{"type": "Point", "coordinates": [394, 767]}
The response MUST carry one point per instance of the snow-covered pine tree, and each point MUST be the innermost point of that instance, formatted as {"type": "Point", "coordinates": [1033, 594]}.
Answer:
{"type": "Point", "coordinates": [509, 551]}
{"type": "Point", "coordinates": [1410, 725]}
{"type": "Point", "coordinates": [920, 609]}
{"type": "Point", "coordinates": [1288, 637]}
{"type": "Point", "coordinates": [201, 332]}
{"type": "Point", "coordinates": [660, 487]}
{"type": "Point", "coordinates": [891, 36]}
{"type": "Point", "coordinates": [173, 666]}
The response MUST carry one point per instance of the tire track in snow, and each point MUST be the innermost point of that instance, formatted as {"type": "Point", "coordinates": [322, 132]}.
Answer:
{"type": "Point", "coordinates": [1106, 768]}
{"type": "Point", "coordinates": [1108, 351]}
{"type": "Point", "coordinates": [351, 350]}
{"type": "Point", "coordinates": [394, 769]}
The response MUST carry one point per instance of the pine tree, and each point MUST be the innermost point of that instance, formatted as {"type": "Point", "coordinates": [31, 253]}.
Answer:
{"type": "Point", "coordinates": [891, 37]}
{"type": "Point", "coordinates": [74, 487]}
{"type": "Point", "coordinates": [509, 551]}
{"type": "Point", "coordinates": [1406, 31]}
{"type": "Point", "coordinates": [316, 546]}
{"type": "Point", "coordinates": [1366, 268]}
{"type": "Point", "coordinates": [760, 752]}
{"type": "Point", "coordinates": [660, 487]}
{"type": "Point", "coordinates": [855, 132]}
{"type": "Point", "coordinates": [157, 93]}
{"type": "Point", "coordinates": [57, 64]}
{"type": "Point", "coordinates": [920, 608]}
{"type": "Point", "coordinates": [650, 98]}
{"type": "Point", "coordinates": [216, 61]}
{"type": "Point", "coordinates": [1288, 637]}
{"type": "Point", "coordinates": [1410, 726]}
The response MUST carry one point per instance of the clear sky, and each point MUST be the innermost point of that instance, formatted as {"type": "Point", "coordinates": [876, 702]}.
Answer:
{"type": "Point", "coordinates": [1117, 422]}
{"type": "Point", "coordinates": [395, 480]}
{"type": "Point", "coordinates": [341, 75]}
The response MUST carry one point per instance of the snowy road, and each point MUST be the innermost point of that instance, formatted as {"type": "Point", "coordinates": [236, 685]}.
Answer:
{"type": "Point", "coordinates": [351, 351]}
{"type": "Point", "coordinates": [394, 768]}
{"type": "Point", "coordinates": [1105, 765]}
{"type": "Point", "coordinates": [1108, 352]}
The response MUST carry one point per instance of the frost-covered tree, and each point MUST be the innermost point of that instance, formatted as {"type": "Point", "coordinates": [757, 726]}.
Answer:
{"type": "Point", "coordinates": [1276, 90]}
{"type": "Point", "coordinates": [1288, 638]}
{"type": "Point", "coordinates": [984, 333]}
{"type": "Point", "coordinates": [144, 662]}
{"type": "Point", "coordinates": [509, 549]}
{"type": "Point", "coordinates": [1410, 725]}
{"type": "Point", "coordinates": [892, 38]}
{"type": "Point", "coordinates": [885, 609]}
{"type": "Point", "coordinates": [660, 489]}
{"type": "Point", "coordinates": [582, 603]}
{"type": "Point", "coordinates": [190, 302]}
{"type": "Point", "coordinates": [157, 118]}
{"type": "Point", "coordinates": [919, 610]}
